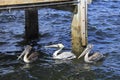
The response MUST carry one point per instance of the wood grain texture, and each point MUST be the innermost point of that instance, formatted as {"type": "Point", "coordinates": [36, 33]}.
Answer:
{"type": "Point", "coordinates": [15, 2]}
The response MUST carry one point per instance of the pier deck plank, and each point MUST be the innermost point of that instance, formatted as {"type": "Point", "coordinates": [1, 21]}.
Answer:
{"type": "Point", "coordinates": [21, 2]}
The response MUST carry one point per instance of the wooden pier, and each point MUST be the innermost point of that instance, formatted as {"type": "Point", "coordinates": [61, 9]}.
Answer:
{"type": "Point", "coordinates": [78, 26]}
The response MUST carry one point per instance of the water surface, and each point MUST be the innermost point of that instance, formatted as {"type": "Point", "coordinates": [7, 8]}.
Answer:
{"type": "Point", "coordinates": [54, 27]}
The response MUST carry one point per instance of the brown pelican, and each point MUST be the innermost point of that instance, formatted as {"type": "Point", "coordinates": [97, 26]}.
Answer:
{"type": "Point", "coordinates": [61, 55]}
{"type": "Point", "coordinates": [28, 58]}
{"type": "Point", "coordinates": [93, 58]}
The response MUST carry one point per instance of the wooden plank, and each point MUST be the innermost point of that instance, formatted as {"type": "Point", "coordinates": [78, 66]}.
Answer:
{"type": "Point", "coordinates": [77, 47]}
{"type": "Point", "coordinates": [79, 27]}
{"type": "Point", "coordinates": [15, 2]}
{"type": "Point", "coordinates": [89, 1]}
{"type": "Point", "coordinates": [83, 21]}
{"type": "Point", "coordinates": [20, 4]}
{"type": "Point", "coordinates": [86, 23]}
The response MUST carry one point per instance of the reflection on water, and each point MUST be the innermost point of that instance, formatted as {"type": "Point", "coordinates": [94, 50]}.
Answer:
{"type": "Point", "coordinates": [103, 32]}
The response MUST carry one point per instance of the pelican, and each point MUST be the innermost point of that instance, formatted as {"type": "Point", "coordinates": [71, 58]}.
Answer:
{"type": "Point", "coordinates": [61, 55]}
{"type": "Point", "coordinates": [93, 58]}
{"type": "Point", "coordinates": [28, 58]}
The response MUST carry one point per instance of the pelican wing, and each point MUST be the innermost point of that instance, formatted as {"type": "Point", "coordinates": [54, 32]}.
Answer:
{"type": "Point", "coordinates": [96, 57]}
{"type": "Point", "coordinates": [65, 55]}
{"type": "Point", "coordinates": [33, 56]}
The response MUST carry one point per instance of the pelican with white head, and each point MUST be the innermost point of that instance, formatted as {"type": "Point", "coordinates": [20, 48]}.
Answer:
{"type": "Point", "coordinates": [28, 57]}
{"type": "Point", "coordinates": [61, 55]}
{"type": "Point", "coordinates": [93, 58]}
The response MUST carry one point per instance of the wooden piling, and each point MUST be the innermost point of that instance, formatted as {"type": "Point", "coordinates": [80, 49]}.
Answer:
{"type": "Point", "coordinates": [79, 23]}
{"type": "Point", "coordinates": [31, 23]}
{"type": "Point", "coordinates": [79, 27]}
{"type": "Point", "coordinates": [89, 1]}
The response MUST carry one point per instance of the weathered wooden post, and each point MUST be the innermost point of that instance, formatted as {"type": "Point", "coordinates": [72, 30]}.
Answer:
{"type": "Point", "coordinates": [79, 27]}
{"type": "Point", "coordinates": [31, 23]}
{"type": "Point", "coordinates": [89, 1]}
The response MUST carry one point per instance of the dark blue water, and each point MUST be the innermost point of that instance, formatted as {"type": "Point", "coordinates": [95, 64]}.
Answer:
{"type": "Point", "coordinates": [54, 27]}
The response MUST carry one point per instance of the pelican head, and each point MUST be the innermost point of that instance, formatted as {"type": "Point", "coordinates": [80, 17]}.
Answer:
{"type": "Point", "coordinates": [55, 45]}
{"type": "Point", "coordinates": [27, 50]}
{"type": "Point", "coordinates": [87, 50]}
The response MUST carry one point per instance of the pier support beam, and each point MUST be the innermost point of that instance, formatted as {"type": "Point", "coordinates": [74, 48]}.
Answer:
{"type": "Point", "coordinates": [31, 23]}
{"type": "Point", "coordinates": [89, 1]}
{"type": "Point", "coordinates": [79, 27]}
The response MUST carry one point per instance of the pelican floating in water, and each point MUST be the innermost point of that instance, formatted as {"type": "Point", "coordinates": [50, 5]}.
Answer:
{"type": "Point", "coordinates": [61, 55]}
{"type": "Point", "coordinates": [28, 58]}
{"type": "Point", "coordinates": [93, 58]}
